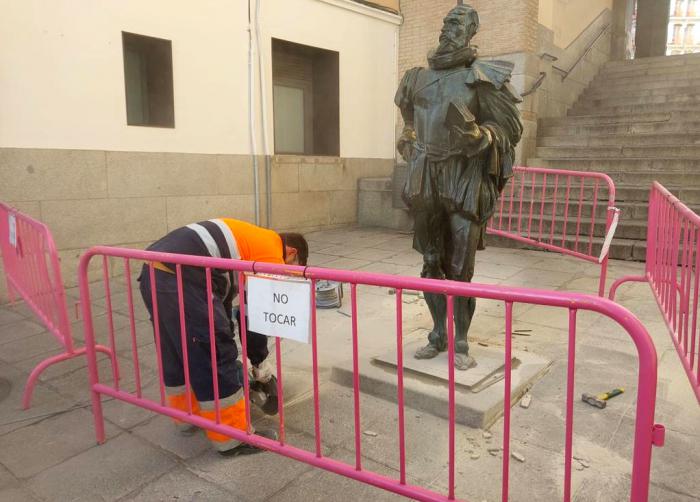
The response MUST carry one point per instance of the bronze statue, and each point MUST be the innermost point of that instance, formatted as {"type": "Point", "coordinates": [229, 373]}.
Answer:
{"type": "Point", "coordinates": [461, 128]}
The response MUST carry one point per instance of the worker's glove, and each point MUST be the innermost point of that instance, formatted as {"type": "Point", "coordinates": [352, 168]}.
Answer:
{"type": "Point", "coordinates": [262, 372]}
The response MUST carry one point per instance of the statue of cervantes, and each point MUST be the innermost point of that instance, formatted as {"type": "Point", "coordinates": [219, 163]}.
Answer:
{"type": "Point", "coordinates": [461, 128]}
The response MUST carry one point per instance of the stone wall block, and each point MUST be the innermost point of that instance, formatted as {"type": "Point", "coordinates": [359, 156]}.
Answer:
{"type": "Point", "coordinates": [184, 210]}
{"type": "Point", "coordinates": [85, 223]}
{"type": "Point", "coordinates": [134, 174]}
{"type": "Point", "coordinates": [300, 210]}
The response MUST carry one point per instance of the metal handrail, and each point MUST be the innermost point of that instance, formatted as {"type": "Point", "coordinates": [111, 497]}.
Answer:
{"type": "Point", "coordinates": [589, 47]}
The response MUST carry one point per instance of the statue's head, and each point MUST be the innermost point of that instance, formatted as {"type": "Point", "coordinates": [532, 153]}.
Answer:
{"type": "Point", "coordinates": [459, 26]}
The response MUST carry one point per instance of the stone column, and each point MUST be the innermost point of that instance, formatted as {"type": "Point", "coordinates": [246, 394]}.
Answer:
{"type": "Point", "coordinates": [652, 27]}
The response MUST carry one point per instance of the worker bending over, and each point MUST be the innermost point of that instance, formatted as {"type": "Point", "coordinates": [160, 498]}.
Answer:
{"type": "Point", "coordinates": [220, 238]}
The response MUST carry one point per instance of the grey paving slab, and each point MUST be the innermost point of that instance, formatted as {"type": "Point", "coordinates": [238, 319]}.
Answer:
{"type": "Point", "coordinates": [7, 479]}
{"type": "Point", "coordinates": [161, 432]}
{"type": "Point", "coordinates": [347, 263]}
{"type": "Point", "coordinates": [53, 441]}
{"type": "Point", "coordinates": [253, 477]}
{"type": "Point", "coordinates": [181, 484]}
{"type": "Point", "coordinates": [105, 472]}
{"type": "Point", "coordinates": [8, 316]}
{"type": "Point", "coordinates": [45, 401]}
{"type": "Point", "coordinates": [17, 330]}
{"type": "Point", "coordinates": [318, 485]}
{"type": "Point", "coordinates": [42, 344]}
{"type": "Point", "coordinates": [17, 494]}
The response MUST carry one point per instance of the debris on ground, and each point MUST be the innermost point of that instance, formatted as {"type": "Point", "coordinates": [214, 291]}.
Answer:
{"type": "Point", "coordinates": [344, 313]}
{"type": "Point", "coordinates": [475, 455]}
{"type": "Point", "coordinates": [407, 292]}
{"type": "Point", "coordinates": [483, 344]}
{"type": "Point", "coordinates": [526, 400]}
{"type": "Point", "coordinates": [517, 456]}
{"type": "Point", "coordinates": [371, 434]}
{"type": "Point", "coordinates": [494, 451]}
{"type": "Point", "coordinates": [487, 435]}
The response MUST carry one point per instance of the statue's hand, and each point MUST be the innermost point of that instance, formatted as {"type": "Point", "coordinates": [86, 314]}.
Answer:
{"type": "Point", "coordinates": [470, 140]}
{"type": "Point", "coordinates": [405, 143]}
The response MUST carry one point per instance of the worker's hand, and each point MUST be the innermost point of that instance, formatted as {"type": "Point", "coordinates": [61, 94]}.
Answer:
{"type": "Point", "coordinates": [262, 372]}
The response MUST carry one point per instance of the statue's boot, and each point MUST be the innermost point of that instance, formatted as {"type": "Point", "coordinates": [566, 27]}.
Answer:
{"type": "Point", "coordinates": [464, 311]}
{"type": "Point", "coordinates": [437, 339]}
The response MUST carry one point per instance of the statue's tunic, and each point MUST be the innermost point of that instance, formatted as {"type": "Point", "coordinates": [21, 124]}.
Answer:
{"type": "Point", "coordinates": [445, 172]}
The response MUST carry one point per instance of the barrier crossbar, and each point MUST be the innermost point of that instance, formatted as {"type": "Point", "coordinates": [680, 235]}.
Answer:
{"type": "Point", "coordinates": [672, 270]}
{"type": "Point", "coordinates": [568, 212]}
{"type": "Point", "coordinates": [646, 432]}
{"type": "Point", "coordinates": [33, 272]}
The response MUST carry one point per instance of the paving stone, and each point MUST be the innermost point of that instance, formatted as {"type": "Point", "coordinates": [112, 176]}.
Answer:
{"type": "Point", "coordinates": [17, 494]}
{"type": "Point", "coordinates": [105, 472]}
{"type": "Point", "coordinates": [38, 446]}
{"type": "Point", "coordinates": [16, 330]}
{"type": "Point", "coordinates": [253, 477]}
{"type": "Point", "coordinates": [181, 484]}
{"type": "Point", "coordinates": [161, 432]}
{"type": "Point", "coordinates": [8, 316]}
{"type": "Point", "coordinates": [319, 485]}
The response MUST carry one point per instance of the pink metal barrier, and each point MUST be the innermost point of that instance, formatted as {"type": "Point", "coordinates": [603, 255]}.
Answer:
{"type": "Point", "coordinates": [563, 211]}
{"type": "Point", "coordinates": [673, 271]}
{"type": "Point", "coordinates": [646, 432]}
{"type": "Point", "coordinates": [33, 272]}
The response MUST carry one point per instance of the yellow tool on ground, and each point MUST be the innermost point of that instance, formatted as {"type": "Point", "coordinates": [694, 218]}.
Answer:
{"type": "Point", "coordinates": [601, 400]}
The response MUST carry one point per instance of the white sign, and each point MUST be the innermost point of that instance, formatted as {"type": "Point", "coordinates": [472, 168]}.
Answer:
{"type": "Point", "coordinates": [279, 307]}
{"type": "Point", "coordinates": [12, 220]}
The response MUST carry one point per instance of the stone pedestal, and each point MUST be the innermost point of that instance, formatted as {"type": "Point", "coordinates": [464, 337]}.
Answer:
{"type": "Point", "coordinates": [479, 391]}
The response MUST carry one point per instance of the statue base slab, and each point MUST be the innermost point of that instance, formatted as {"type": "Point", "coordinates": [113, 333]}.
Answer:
{"type": "Point", "coordinates": [479, 391]}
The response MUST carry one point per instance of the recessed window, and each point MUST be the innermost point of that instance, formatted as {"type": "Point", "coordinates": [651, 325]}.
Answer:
{"type": "Point", "coordinates": [148, 79]}
{"type": "Point", "coordinates": [305, 99]}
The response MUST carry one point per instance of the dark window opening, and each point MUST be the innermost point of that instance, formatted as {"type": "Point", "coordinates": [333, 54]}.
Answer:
{"type": "Point", "coordinates": [305, 99]}
{"type": "Point", "coordinates": [148, 79]}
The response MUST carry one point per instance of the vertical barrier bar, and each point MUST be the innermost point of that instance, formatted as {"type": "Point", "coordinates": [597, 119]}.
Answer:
{"type": "Point", "coordinates": [110, 320]}
{"type": "Point", "coordinates": [532, 203]}
{"type": "Point", "coordinates": [280, 388]}
{"type": "Point", "coordinates": [510, 208]}
{"type": "Point", "coordinates": [554, 208]}
{"type": "Point", "coordinates": [695, 300]}
{"type": "Point", "coordinates": [156, 332]}
{"type": "Point", "coordinates": [451, 395]}
{"type": "Point", "coordinates": [132, 327]}
{"type": "Point", "coordinates": [244, 347]}
{"type": "Point", "coordinates": [566, 210]}
{"type": "Point", "coordinates": [212, 346]}
{"type": "Point", "coordinates": [673, 272]}
{"type": "Point", "coordinates": [356, 377]}
{"type": "Point", "coordinates": [399, 384]}
{"type": "Point", "coordinates": [500, 213]}
{"type": "Point", "coordinates": [314, 356]}
{"type": "Point", "coordinates": [506, 402]}
{"type": "Point", "coordinates": [183, 336]}
{"type": "Point", "coordinates": [596, 186]}
{"type": "Point", "coordinates": [580, 211]}
{"type": "Point", "coordinates": [520, 208]}
{"type": "Point", "coordinates": [685, 284]}
{"type": "Point", "coordinates": [570, 375]}
{"type": "Point", "coordinates": [90, 350]}
{"type": "Point", "coordinates": [544, 196]}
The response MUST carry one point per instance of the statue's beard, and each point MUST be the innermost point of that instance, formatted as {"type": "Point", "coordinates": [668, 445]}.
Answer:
{"type": "Point", "coordinates": [447, 45]}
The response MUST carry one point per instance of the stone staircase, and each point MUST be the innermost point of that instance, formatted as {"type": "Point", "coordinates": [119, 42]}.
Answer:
{"type": "Point", "coordinates": [638, 121]}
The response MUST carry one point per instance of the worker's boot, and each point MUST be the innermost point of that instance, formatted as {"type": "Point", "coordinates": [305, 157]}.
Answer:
{"type": "Point", "coordinates": [178, 399]}
{"type": "Point", "coordinates": [248, 449]}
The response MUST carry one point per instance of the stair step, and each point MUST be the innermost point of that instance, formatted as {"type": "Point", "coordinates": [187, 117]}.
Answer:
{"type": "Point", "coordinates": [630, 130]}
{"type": "Point", "coordinates": [650, 74]}
{"type": "Point", "coordinates": [624, 171]}
{"type": "Point", "coordinates": [688, 152]}
{"type": "Point", "coordinates": [620, 249]}
{"type": "Point", "coordinates": [623, 140]}
{"type": "Point", "coordinates": [634, 109]}
{"type": "Point", "coordinates": [631, 99]}
{"type": "Point", "coordinates": [600, 84]}
{"type": "Point", "coordinates": [610, 92]}
{"type": "Point", "coordinates": [658, 61]}
{"type": "Point", "coordinates": [626, 118]}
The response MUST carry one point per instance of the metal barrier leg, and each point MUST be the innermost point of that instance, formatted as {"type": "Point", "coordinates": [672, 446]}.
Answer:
{"type": "Point", "coordinates": [627, 278]}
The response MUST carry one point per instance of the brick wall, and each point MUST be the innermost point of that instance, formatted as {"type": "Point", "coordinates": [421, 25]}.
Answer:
{"type": "Point", "coordinates": [507, 26]}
